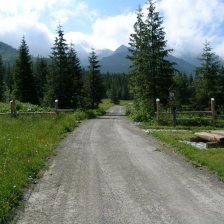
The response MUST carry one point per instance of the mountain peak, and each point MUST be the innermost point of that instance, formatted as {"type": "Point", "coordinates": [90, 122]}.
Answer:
{"type": "Point", "coordinates": [121, 49]}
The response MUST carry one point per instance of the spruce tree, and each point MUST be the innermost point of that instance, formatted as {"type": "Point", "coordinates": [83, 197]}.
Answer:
{"type": "Point", "coordinates": [151, 72]}
{"type": "Point", "coordinates": [94, 83]}
{"type": "Point", "coordinates": [207, 78]}
{"type": "Point", "coordinates": [58, 78]}
{"type": "Point", "coordinates": [24, 85]}
{"type": "Point", "coordinates": [75, 71]}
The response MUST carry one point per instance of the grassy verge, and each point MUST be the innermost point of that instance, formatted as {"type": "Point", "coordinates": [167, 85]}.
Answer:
{"type": "Point", "coordinates": [211, 158]}
{"type": "Point", "coordinates": [25, 144]}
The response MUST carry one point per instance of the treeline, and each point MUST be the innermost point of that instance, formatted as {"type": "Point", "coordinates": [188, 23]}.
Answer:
{"type": "Point", "coordinates": [152, 76]}
{"type": "Point", "coordinates": [116, 87]}
{"type": "Point", "coordinates": [42, 80]}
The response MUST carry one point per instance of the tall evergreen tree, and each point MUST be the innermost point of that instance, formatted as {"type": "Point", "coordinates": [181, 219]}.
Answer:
{"type": "Point", "coordinates": [94, 83]}
{"type": "Point", "coordinates": [207, 77]}
{"type": "Point", "coordinates": [1, 79]}
{"type": "Point", "coordinates": [151, 74]}
{"type": "Point", "coordinates": [24, 85]}
{"type": "Point", "coordinates": [58, 78]}
{"type": "Point", "coordinates": [75, 71]}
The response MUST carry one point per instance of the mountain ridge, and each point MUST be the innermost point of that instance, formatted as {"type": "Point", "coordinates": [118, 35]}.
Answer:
{"type": "Point", "coordinates": [110, 61]}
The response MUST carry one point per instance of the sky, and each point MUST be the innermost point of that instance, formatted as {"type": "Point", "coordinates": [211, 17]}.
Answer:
{"type": "Point", "coordinates": [108, 24]}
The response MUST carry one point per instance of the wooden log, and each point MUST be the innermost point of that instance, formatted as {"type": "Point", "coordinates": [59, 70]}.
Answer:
{"type": "Point", "coordinates": [218, 132]}
{"type": "Point", "coordinates": [65, 110]}
{"type": "Point", "coordinates": [157, 109]}
{"type": "Point", "coordinates": [211, 137]}
{"type": "Point", "coordinates": [194, 112]}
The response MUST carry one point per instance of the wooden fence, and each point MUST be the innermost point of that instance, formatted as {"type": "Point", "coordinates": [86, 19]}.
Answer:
{"type": "Point", "coordinates": [174, 112]}
{"type": "Point", "coordinates": [13, 111]}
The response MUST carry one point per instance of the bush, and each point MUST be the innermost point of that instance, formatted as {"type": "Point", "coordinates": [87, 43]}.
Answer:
{"type": "Point", "coordinates": [137, 114]}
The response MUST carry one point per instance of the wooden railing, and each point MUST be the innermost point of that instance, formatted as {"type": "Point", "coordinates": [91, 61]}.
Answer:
{"type": "Point", "coordinates": [13, 112]}
{"type": "Point", "coordinates": [174, 112]}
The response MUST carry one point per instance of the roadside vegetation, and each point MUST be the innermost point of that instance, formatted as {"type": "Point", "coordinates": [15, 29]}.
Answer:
{"type": "Point", "coordinates": [26, 142]}
{"type": "Point", "coordinates": [211, 158]}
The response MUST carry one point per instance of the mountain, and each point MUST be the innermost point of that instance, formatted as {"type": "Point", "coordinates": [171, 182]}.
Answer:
{"type": "Point", "coordinates": [8, 53]}
{"type": "Point", "coordinates": [104, 53]}
{"type": "Point", "coordinates": [112, 62]}
{"type": "Point", "coordinates": [182, 65]}
{"type": "Point", "coordinates": [118, 63]}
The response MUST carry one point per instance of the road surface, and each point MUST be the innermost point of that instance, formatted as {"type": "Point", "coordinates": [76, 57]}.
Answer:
{"type": "Point", "coordinates": [108, 171]}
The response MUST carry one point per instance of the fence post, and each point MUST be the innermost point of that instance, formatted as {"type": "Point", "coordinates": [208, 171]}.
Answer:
{"type": "Point", "coordinates": [56, 106]}
{"type": "Point", "coordinates": [13, 108]}
{"type": "Point", "coordinates": [213, 111]}
{"type": "Point", "coordinates": [158, 110]}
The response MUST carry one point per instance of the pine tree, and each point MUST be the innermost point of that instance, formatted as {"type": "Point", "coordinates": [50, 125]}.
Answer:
{"type": "Point", "coordinates": [207, 77]}
{"type": "Point", "coordinates": [75, 71]}
{"type": "Point", "coordinates": [1, 79]}
{"type": "Point", "coordinates": [24, 86]}
{"type": "Point", "coordinates": [57, 79]}
{"type": "Point", "coordinates": [94, 83]}
{"type": "Point", "coordinates": [151, 73]}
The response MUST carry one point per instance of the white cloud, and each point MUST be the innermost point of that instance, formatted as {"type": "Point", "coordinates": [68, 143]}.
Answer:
{"type": "Point", "coordinates": [188, 23]}
{"type": "Point", "coordinates": [106, 33]}
{"type": "Point", "coordinates": [38, 36]}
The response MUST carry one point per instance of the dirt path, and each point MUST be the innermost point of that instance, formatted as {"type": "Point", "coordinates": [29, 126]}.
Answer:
{"type": "Point", "coordinates": [108, 171]}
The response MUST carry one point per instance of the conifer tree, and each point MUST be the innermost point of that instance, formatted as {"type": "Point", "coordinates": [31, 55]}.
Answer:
{"type": "Point", "coordinates": [94, 83]}
{"type": "Point", "coordinates": [24, 86]}
{"type": "Point", "coordinates": [151, 73]}
{"type": "Point", "coordinates": [207, 78]}
{"type": "Point", "coordinates": [57, 79]}
{"type": "Point", "coordinates": [75, 71]}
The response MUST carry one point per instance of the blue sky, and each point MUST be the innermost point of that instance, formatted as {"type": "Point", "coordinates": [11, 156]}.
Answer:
{"type": "Point", "coordinates": [109, 23]}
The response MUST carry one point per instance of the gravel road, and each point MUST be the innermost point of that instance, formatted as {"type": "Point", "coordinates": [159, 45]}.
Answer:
{"type": "Point", "coordinates": [109, 171]}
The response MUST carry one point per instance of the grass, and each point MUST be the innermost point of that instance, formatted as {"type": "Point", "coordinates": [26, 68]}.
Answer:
{"type": "Point", "coordinates": [25, 144]}
{"type": "Point", "coordinates": [211, 158]}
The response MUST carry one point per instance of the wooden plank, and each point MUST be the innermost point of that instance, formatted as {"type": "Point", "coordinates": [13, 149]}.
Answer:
{"type": "Point", "coordinates": [65, 110]}
{"type": "Point", "coordinates": [211, 137]}
{"type": "Point", "coordinates": [194, 112]}
{"type": "Point", "coordinates": [35, 113]}
{"type": "Point", "coordinates": [5, 114]}
{"type": "Point", "coordinates": [218, 132]}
